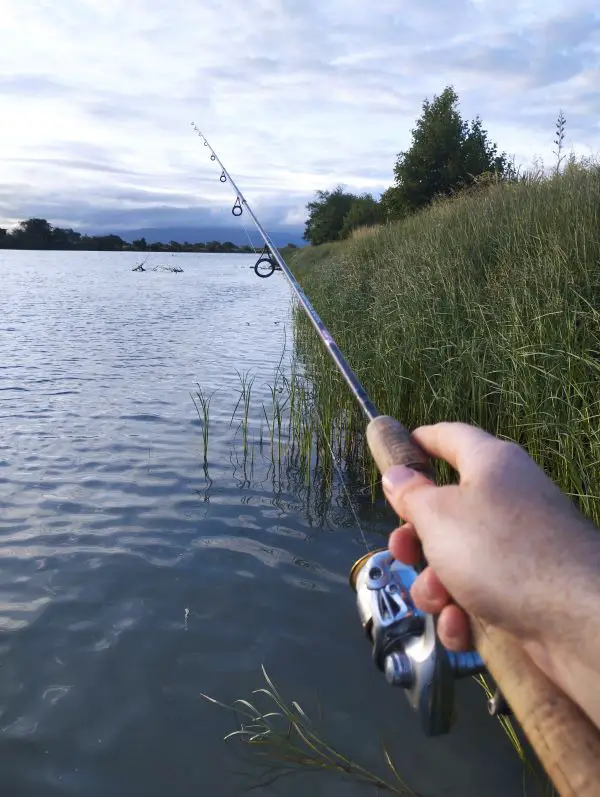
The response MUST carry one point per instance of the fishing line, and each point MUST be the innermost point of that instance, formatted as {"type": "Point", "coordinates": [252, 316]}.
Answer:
{"type": "Point", "coordinates": [337, 356]}
{"type": "Point", "coordinates": [352, 380]}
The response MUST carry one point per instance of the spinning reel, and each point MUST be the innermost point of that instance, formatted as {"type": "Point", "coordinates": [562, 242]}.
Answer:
{"type": "Point", "coordinates": [405, 643]}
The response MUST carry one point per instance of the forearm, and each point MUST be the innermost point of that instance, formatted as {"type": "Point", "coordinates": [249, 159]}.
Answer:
{"type": "Point", "coordinates": [567, 647]}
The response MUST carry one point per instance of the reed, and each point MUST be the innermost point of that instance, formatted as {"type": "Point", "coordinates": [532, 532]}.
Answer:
{"type": "Point", "coordinates": [482, 309]}
{"type": "Point", "coordinates": [243, 402]}
{"type": "Point", "coordinates": [202, 402]}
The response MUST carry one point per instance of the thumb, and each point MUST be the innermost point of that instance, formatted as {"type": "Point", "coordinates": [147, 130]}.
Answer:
{"type": "Point", "coordinates": [409, 492]}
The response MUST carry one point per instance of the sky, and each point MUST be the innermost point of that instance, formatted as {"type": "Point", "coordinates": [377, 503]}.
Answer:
{"type": "Point", "coordinates": [97, 98]}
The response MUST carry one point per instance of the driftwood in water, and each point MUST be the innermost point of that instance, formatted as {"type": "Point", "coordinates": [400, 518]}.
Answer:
{"type": "Point", "coordinates": [173, 269]}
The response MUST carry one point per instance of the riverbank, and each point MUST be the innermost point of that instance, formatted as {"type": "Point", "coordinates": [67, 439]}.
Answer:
{"type": "Point", "coordinates": [484, 309]}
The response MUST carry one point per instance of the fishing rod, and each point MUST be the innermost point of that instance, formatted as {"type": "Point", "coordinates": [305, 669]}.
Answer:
{"type": "Point", "coordinates": [405, 644]}
{"type": "Point", "coordinates": [342, 364]}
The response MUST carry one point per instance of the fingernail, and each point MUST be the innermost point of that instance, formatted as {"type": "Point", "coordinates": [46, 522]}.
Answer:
{"type": "Point", "coordinates": [397, 477]}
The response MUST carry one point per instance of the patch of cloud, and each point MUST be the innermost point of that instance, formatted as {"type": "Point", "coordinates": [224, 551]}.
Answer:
{"type": "Point", "coordinates": [296, 95]}
{"type": "Point", "coordinates": [32, 85]}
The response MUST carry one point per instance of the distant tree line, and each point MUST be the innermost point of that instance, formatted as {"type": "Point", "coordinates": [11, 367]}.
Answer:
{"type": "Point", "coordinates": [448, 154]}
{"type": "Point", "coordinates": [40, 234]}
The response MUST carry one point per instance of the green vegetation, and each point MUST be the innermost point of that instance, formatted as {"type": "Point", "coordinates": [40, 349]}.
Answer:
{"type": "Point", "coordinates": [288, 251]}
{"type": "Point", "coordinates": [448, 154]}
{"type": "Point", "coordinates": [482, 308]}
{"type": "Point", "coordinates": [333, 215]}
{"type": "Point", "coordinates": [40, 234]}
{"type": "Point", "coordinates": [286, 740]}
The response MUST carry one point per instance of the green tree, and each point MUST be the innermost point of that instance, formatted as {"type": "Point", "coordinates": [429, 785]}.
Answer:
{"type": "Point", "coordinates": [109, 243]}
{"type": "Point", "coordinates": [103, 243]}
{"type": "Point", "coordinates": [4, 238]}
{"type": "Point", "coordinates": [139, 245]}
{"type": "Point", "coordinates": [393, 204]}
{"type": "Point", "coordinates": [447, 154]}
{"type": "Point", "coordinates": [33, 234]}
{"type": "Point", "coordinates": [364, 212]}
{"type": "Point", "coordinates": [326, 214]}
{"type": "Point", "coordinates": [65, 238]}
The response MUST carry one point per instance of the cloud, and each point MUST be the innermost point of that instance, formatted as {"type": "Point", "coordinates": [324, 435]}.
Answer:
{"type": "Point", "coordinates": [296, 95]}
{"type": "Point", "coordinates": [32, 85]}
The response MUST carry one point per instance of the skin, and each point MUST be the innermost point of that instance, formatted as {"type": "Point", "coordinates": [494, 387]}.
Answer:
{"type": "Point", "coordinates": [506, 545]}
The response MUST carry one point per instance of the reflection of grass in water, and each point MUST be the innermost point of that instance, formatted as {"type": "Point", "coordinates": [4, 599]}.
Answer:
{"type": "Point", "coordinates": [304, 450]}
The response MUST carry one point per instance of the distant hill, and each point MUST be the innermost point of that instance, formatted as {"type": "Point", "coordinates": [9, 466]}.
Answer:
{"type": "Point", "coordinates": [203, 234]}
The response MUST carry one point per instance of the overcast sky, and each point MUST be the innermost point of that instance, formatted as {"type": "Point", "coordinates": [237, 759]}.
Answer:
{"type": "Point", "coordinates": [97, 96]}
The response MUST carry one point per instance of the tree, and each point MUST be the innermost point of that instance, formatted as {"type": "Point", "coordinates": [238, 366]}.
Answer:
{"type": "Point", "coordinates": [326, 215]}
{"type": "Point", "coordinates": [65, 239]}
{"type": "Point", "coordinates": [364, 211]}
{"type": "Point", "coordinates": [446, 155]}
{"type": "Point", "coordinates": [109, 243]}
{"type": "Point", "coordinates": [139, 245]}
{"type": "Point", "coordinates": [102, 243]}
{"type": "Point", "coordinates": [40, 234]}
{"type": "Point", "coordinates": [33, 234]}
{"type": "Point", "coordinates": [393, 204]}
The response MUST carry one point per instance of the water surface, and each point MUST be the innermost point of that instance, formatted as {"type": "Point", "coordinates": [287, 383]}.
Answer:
{"type": "Point", "coordinates": [132, 579]}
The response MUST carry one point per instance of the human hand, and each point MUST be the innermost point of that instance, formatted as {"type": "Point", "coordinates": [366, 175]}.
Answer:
{"type": "Point", "coordinates": [496, 543]}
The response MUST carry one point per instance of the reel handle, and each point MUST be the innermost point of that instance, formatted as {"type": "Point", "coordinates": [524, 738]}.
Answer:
{"type": "Point", "coordinates": [564, 738]}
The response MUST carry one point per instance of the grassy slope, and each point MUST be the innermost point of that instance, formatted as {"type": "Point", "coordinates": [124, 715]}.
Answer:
{"type": "Point", "coordinates": [482, 309]}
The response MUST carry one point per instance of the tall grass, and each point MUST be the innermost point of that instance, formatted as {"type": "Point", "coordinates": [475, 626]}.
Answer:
{"type": "Point", "coordinates": [482, 309]}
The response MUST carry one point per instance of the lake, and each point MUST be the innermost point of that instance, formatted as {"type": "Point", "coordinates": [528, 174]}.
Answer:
{"type": "Point", "coordinates": [133, 579]}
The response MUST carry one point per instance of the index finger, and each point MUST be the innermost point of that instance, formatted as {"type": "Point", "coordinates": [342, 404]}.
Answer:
{"type": "Point", "coordinates": [454, 442]}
